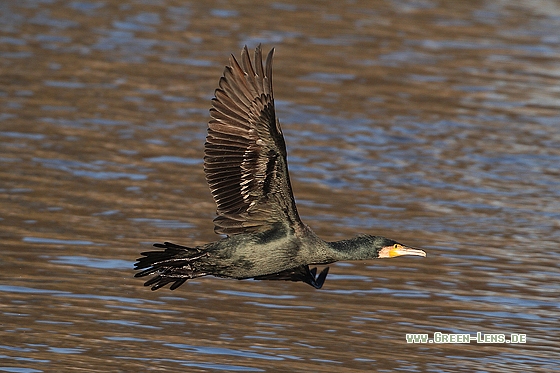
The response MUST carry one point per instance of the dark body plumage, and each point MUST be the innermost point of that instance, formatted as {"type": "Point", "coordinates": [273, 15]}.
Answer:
{"type": "Point", "coordinates": [246, 168]}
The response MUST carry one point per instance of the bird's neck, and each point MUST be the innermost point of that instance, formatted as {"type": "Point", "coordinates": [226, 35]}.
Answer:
{"type": "Point", "coordinates": [352, 249]}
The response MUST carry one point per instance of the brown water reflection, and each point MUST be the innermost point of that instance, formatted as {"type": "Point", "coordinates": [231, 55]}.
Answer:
{"type": "Point", "coordinates": [433, 123]}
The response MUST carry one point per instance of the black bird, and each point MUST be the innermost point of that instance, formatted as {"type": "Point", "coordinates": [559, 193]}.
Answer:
{"type": "Point", "coordinates": [246, 168]}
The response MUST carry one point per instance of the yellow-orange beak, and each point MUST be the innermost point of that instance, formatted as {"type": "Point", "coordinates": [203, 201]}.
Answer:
{"type": "Point", "coordinates": [399, 250]}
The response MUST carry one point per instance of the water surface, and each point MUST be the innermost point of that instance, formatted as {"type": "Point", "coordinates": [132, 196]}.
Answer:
{"type": "Point", "coordinates": [432, 123]}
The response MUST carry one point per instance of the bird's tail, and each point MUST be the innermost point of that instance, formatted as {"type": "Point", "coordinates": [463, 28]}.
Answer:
{"type": "Point", "coordinates": [176, 264]}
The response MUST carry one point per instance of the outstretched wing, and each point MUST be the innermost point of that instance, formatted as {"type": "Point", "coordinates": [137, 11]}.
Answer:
{"type": "Point", "coordinates": [301, 273]}
{"type": "Point", "coordinates": [245, 154]}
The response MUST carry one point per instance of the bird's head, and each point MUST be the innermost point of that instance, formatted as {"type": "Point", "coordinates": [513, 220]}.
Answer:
{"type": "Point", "coordinates": [387, 248]}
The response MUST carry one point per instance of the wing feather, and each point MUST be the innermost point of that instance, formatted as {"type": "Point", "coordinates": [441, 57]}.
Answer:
{"type": "Point", "coordinates": [245, 153]}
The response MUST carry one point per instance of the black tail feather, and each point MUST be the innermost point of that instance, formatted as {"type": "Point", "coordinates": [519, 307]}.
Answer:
{"type": "Point", "coordinates": [174, 265]}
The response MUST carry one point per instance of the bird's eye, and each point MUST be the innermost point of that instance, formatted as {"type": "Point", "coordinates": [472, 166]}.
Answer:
{"type": "Point", "coordinates": [396, 246]}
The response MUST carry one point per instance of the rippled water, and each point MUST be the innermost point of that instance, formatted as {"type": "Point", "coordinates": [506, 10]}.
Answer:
{"type": "Point", "coordinates": [433, 123]}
